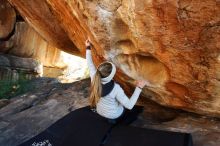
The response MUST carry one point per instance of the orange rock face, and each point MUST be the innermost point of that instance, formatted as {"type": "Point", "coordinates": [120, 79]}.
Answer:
{"type": "Point", "coordinates": [39, 15]}
{"type": "Point", "coordinates": [7, 19]}
{"type": "Point", "coordinates": [173, 44]}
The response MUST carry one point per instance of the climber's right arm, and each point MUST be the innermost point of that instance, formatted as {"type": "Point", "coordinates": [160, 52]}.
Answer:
{"type": "Point", "coordinates": [91, 66]}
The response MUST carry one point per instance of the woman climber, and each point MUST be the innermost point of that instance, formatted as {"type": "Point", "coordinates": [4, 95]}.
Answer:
{"type": "Point", "coordinates": [106, 96]}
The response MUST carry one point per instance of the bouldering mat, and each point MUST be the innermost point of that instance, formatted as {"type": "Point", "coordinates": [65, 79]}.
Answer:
{"type": "Point", "coordinates": [134, 136]}
{"type": "Point", "coordinates": [82, 127]}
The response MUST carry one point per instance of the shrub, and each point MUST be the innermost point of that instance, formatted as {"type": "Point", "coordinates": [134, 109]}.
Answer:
{"type": "Point", "coordinates": [9, 88]}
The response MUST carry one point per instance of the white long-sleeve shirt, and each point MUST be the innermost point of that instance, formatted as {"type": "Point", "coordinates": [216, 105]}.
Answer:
{"type": "Point", "coordinates": [112, 105]}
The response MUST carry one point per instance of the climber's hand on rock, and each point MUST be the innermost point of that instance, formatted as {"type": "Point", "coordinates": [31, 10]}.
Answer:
{"type": "Point", "coordinates": [88, 43]}
{"type": "Point", "coordinates": [141, 83]}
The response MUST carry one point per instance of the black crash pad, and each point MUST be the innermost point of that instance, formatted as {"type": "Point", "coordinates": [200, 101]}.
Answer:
{"type": "Point", "coordinates": [84, 127]}
{"type": "Point", "coordinates": [132, 136]}
{"type": "Point", "coordinates": [81, 127]}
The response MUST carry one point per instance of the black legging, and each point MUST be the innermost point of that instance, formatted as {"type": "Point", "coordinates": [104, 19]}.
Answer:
{"type": "Point", "coordinates": [128, 116]}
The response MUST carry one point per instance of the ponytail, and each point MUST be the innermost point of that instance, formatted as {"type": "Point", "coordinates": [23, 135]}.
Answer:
{"type": "Point", "coordinates": [96, 89]}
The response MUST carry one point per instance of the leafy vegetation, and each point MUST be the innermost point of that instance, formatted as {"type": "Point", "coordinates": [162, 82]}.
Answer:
{"type": "Point", "coordinates": [10, 88]}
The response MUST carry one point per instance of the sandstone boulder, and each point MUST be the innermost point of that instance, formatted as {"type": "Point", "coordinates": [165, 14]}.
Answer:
{"type": "Point", "coordinates": [7, 19]}
{"type": "Point", "coordinates": [29, 114]}
{"type": "Point", "coordinates": [27, 43]}
{"type": "Point", "coordinates": [4, 102]}
{"type": "Point", "coordinates": [172, 44]}
{"type": "Point", "coordinates": [13, 68]}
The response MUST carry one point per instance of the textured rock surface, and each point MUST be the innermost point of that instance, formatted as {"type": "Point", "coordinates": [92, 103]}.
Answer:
{"type": "Point", "coordinates": [24, 41]}
{"type": "Point", "coordinates": [29, 114]}
{"type": "Point", "coordinates": [30, 49]}
{"type": "Point", "coordinates": [13, 67]}
{"type": "Point", "coordinates": [27, 43]}
{"type": "Point", "coordinates": [4, 102]}
{"type": "Point", "coordinates": [18, 62]}
{"type": "Point", "coordinates": [39, 108]}
{"type": "Point", "coordinates": [7, 19]}
{"type": "Point", "coordinates": [173, 44]}
{"type": "Point", "coordinates": [39, 15]}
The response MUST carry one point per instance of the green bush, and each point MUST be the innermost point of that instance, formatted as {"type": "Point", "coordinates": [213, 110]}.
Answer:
{"type": "Point", "coordinates": [9, 89]}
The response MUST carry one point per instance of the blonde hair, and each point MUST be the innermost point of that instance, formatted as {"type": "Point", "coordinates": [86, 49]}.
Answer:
{"type": "Point", "coordinates": [103, 71]}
